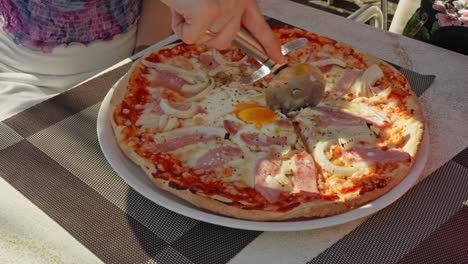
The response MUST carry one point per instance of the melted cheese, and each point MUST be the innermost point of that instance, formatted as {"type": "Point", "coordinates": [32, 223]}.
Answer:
{"type": "Point", "coordinates": [351, 136]}
{"type": "Point", "coordinates": [281, 180]}
{"type": "Point", "coordinates": [332, 77]}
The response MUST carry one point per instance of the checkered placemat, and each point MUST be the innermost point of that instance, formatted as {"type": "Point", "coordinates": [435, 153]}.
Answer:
{"type": "Point", "coordinates": [51, 155]}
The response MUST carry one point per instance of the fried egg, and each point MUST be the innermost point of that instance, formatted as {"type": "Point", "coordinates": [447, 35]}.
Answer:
{"type": "Point", "coordinates": [254, 114]}
{"type": "Point", "coordinates": [245, 109]}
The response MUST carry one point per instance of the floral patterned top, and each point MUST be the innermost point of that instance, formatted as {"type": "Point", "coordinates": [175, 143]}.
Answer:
{"type": "Point", "coordinates": [44, 24]}
{"type": "Point", "coordinates": [443, 23]}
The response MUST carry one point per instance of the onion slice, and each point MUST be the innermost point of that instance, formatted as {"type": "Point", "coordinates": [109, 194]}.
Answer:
{"type": "Point", "coordinates": [330, 61]}
{"type": "Point", "coordinates": [203, 93]}
{"type": "Point", "coordinates": [220, 59]}
{"type": "Point", "coordinates": [184, 114]}
{"type": "Point", "coordinates": [381, 97]}
{"type": "Point", "coordinates": [365, 111]}
{"type": "Point", "coordinates": [201, 86]}
{"type": "Point", "coordinates": [194, 89]}
{"type": "Point", "coordinates": [326, 164]}
{"type": "Point", "coordinates": [362, 87]}
{"type": "Point", "coordinates": [189, 76]}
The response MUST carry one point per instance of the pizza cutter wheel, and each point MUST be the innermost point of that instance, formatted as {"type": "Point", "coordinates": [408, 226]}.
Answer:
{"type": "Point", "coordinates": [293, 86]}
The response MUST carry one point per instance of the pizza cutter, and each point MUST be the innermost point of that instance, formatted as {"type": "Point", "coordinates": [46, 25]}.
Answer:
{"type": "Point", "coordinates": [293, 86]}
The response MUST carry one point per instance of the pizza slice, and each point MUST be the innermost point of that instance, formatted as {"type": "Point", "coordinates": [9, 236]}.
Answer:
{"type": "Point", "coordinates": [361, 148]}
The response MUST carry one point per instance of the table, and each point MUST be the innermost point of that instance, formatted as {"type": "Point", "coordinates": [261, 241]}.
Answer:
{"type": "Point", "coordinates": [76, 210]}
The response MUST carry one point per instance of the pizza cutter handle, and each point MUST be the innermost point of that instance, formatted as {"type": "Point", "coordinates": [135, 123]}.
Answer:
{"type": "Point", "coordinates": [250, 46]}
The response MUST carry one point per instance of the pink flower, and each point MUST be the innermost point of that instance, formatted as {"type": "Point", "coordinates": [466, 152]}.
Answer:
{"type": "Point", "coordinates": [452, 14]}
{"type": "Point", "coordinates": [451, 11]}
{"type": "Point", "coordinates": [463, 12]}
{"type": "Point", "coordinates": [439, 6]}
{"type": "Point", "coordinates": [446, 20]}
{"type": "Point", "coordinates": [464, 18]}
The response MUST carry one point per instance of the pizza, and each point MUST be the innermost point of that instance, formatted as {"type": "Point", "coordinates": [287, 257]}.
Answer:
{"type": "Point", "coordinates": [182, 115]}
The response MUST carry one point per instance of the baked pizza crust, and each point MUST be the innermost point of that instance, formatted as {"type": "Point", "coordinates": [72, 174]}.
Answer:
{"type": "Point", "coordinates": [314, 209]}
{"type": "Point", "coordinates": [319, 208]}
{"type": "Point", "coordinates": [118, 95]}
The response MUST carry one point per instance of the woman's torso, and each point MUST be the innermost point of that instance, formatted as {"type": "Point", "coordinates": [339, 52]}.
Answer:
{"type": "Point", "coordinates": [67, 36]}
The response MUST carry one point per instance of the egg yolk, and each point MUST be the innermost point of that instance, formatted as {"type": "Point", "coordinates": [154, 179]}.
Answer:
{"type": "Point", "coordinates": [254, 114]}
{"type": "Point", "coordinates": [301, 69]}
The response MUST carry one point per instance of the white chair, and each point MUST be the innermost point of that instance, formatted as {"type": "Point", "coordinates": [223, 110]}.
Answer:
{"type": "Point", "coordinates": [405, 9]}
{"type": "Point", "coordinates": [369, 12]}
{"type": "Point", "coordinates": [378, 17]}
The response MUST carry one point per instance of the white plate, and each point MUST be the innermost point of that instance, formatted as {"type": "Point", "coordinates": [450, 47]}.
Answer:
{"type": "Point", "coordinates": [138, 180]}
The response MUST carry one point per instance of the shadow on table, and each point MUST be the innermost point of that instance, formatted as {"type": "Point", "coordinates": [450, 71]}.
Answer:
{"type": "Point", "coordinates": [141, 214]}
{"type": "Point", "coordinates": [169, 237]}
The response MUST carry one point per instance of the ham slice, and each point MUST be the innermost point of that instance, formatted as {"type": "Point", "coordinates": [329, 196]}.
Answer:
{"type": "Point", "coordinates": [377, 154]}
{"type": "Point", "coordinates": [169, 80]}
{"type": "Point", "coordinates": [327, 64]}
{"type": "Point", "coordinates": [345, 83]}
{"type": "Point", "coordinates": [305, 177]}
{"type": "Point", "coordinates": [333, 117]}
{"type": "Point", "coordinates": [208, 61]}
{"type": "Point", "coordinates": [329, 61]}
{"type": "Point", "coordinates": [158, 110]}
{"type": "Point", "coordinates": [257, 140]}
{"type": "Point", "coordinates": [184, 82]}
{"type": "Point", "coordinates": [180, 106]}
{"type": "Point", "coordinates": [325, 68]}
{"type": "Point", "coordinates": [181, 141]}
{"type": "Point", "coordinates": [324, 62]}
{"type": "Point", "coordinates": [264, 168]}
{"type": "Point", "coordinates": [217, 157]}
{"type": "Point", "coordinates": [314, 57]}
{"type": "Point", "coordinates": [230, 127]}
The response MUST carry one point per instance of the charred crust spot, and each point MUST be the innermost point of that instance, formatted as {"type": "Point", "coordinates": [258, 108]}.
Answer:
{"type": "Point", "coordinates": [176, 186]}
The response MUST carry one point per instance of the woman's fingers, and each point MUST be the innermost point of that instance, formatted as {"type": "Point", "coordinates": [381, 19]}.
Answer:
{"type": "Point", "coordinates": [223, 39]}
{"type": "Point", "coordinates": [257, 26]}
{"type": "Point", "coordinates": [193, 19]}
{"type": "Point", "coordinates": [218, 27]}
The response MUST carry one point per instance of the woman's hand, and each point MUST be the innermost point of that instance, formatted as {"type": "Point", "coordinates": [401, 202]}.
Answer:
{"type": "Point", "coordinates": [192, 19]}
